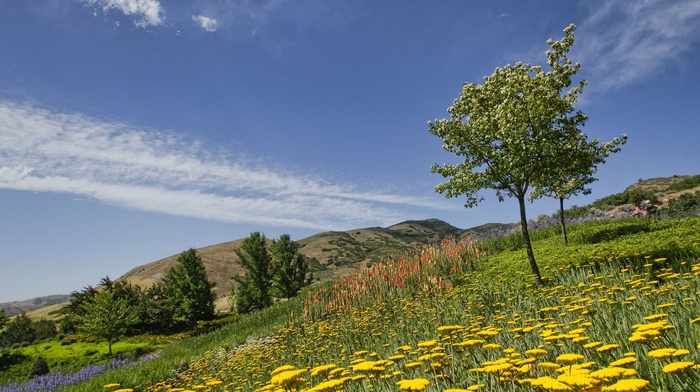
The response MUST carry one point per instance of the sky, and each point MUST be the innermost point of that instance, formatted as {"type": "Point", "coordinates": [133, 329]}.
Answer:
{"type": "Point", "coordinates": [131, 130]}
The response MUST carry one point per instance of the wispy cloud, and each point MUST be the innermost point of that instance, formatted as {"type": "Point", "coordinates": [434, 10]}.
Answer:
{"type": "Point", "coordinates": [207, 24]}
{"type": "Point", "coordinates": [145, 12]}
{"type": "Point", "coordinates": [148, 170]}
{"type": "Point", "coordinates": [622, 42]}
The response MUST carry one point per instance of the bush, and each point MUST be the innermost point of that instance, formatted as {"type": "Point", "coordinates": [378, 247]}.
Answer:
{"type": "Point", "coordinates": [39, 367]}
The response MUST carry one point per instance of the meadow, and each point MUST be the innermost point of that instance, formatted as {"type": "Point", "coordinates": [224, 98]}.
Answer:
{"type": "Point", "coordinates": [619, 312]}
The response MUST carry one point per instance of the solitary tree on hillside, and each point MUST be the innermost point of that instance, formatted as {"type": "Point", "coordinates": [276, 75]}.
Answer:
{"type": "Point", "coordinates": [578, 162]}
{"type": "Point", "coordinates": [289, 267]}
{"type": "Point", "coordinates": [188, 290]}
{"type": "Point", "coordinates": [106, 317]}
{"type": "Point", "coordinates": [253, 291]}
{"type": "Point", "coordinates": [508, 129]}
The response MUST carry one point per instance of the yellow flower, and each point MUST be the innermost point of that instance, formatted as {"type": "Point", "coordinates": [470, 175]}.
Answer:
{"type": "Point", "coordinates": [428, 344]}
{"type": "Point", "coordinates": [492, 346]}
{"type": "Point", "coordinates": [550, 384]}
{"type": "Point", "coordinates": [330, 385]}
{"type": "Point", "coordinates": [450, 328]}
{"type": "Point", "coordinates": [607, 347]}
{"type": "Point", "coordinates": [416, 384]}
{"type": "Point", "coordinates": [282, 369]}
{"type": "Point", "coordinates": [470, 343]}
{"type": "Point", "coordinates": [322, 370]}
{"type": "Point", "coordinates": [611, 372]}
{"type": "Point", "coordinates": [288, 379]}
{"type": "Point", "coordinates": [674, 367]}
{"type": "Point", "coordinates": [592, 344]}
{"type": "Point", "coordinates": [624, 361]}
{"type": "Point", "coordinates": [110, 386]}
{"type": "Point", "coordinates": [662, 353]}
{"type": "Point", "coordinates": [412, 365]}
{"type": "Point", "coordinates": [578, 380]}
{"type": "Point", "coordinates": [627, 385]}
{"type": "Point", "coordinates": [549, 365]}
{"type": "Point", "coordinates": [569, 358]}
{"type": "Point", "coordinates": [536, 352]}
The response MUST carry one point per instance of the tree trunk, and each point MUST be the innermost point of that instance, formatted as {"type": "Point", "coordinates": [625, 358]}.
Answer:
{"type": "Point", "coordinates": [561, 220]}
{"type": "Point", "coordinates": [528, 244]}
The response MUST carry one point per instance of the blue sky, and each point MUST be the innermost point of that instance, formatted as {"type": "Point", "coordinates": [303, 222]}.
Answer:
{"type": "Point", "coordinates": [131, 130]}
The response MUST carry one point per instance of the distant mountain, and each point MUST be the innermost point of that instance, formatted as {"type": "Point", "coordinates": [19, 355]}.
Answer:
{"type": "Point", "coordinates": [19, 307]}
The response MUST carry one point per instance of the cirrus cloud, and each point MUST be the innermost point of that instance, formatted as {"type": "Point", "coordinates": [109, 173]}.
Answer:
{"type": "Point", "coordinates": [154, 171]}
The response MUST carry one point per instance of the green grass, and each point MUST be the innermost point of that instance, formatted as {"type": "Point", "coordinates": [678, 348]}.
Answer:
{"type": "Point", "coordinates": [610, 260]}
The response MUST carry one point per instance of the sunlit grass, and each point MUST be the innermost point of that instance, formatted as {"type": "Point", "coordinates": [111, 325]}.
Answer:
{"type": "Point", "coordinates": [453, 317]}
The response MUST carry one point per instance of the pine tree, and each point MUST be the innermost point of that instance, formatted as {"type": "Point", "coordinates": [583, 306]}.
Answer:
{"type": "Point", "coordinates": [253, 291]}
{"type": "Point", "coordinates": [188, 290]}
{"type": "Point", "coordinates": [289, 267]}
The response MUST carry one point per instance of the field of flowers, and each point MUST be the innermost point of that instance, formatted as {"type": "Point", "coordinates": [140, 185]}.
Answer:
{"type": "Point", "coordinates": [619, 313]}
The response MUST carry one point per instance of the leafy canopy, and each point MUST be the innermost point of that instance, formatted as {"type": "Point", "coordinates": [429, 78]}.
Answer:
{"type": "Point", "coordinates": [510, 126]}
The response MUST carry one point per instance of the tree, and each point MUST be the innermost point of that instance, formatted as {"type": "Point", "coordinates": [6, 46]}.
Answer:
{"type": "Point", "coordinates": [508, 128]}
{"type": "Point", "coordinates": [74, 308]}
{"type": "Point", "coordinates": [188, 290]}
{"type": "Point", "coordinates": [289, 267]}
{"type": "Point", "coordinates": [253, 291]}
{"type": "Point", "coordinates": [578, 161]}
{"type": "Point", "coordinates": [18, 330]}
{"type": "Point", "coordinates": [3, 318]}
{"type": "Point", "coordinates": [106, 317]}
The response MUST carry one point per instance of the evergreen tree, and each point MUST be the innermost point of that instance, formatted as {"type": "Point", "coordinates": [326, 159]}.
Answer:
{"type": "Point", "coordinates": [18, 330]}
{"type": "Point", "coordinates": [253, 291]}
{"type": "Point", "coordinates": [188, 290]}
{"type": "Point", "coordinates": [289, 267]}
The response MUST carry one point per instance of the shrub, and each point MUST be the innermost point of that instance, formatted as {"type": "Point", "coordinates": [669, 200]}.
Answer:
{"type": "Point", "coordinates": [39, 367]}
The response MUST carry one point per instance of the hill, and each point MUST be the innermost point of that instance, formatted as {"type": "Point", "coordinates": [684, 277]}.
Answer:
{"type": "Point", "coordinates": [331, 254]}
{"type": "Point", "coordinates": [18, 307]}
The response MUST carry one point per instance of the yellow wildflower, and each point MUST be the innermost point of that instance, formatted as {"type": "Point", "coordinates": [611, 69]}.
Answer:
{"type": "Point", "coordinates": [416, 384]}
{"type": "Point", "coordinates": [607, 347]}
{"type": "Point", "coordinates": [569, 358]}
{"type": "Point", "coordinates": [627, 385]}
{"type": "Point", "coordinates": [661, 353]}
{"type": "Point", "coordinates": [675, 367]}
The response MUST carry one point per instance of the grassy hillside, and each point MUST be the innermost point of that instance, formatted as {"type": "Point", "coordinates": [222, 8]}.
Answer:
{"type": "Point", "coordinates": [459, 315]}
{"type": "Point", "coordinates": [332, 254]}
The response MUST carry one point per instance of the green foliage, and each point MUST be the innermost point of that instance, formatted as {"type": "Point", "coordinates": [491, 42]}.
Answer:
{"type": "Point", "coordinates": [106, 317]}
{"type": "Point", "coordinates": [188, 290]}
{"type": "Point", "coordinates": [635, 196]}
{"type": "Point", "coordinates": [74, 308]}
{"type": "Point", "coordinates": [686, 183]}
{"type": "Point", "coordinates": [39, 367]}
{"type": "Point", "coordinates": [686, 205]}
{"type": "Point", "coordinates": [44, 329]}
{"type": "Point", "coordinates": [289, 267]}
{"type": "Point", "coordinates": [253, 292]}
{"type": "Point", "coordinates": [17, 331]}
{"type": "Point", "coordinates": [510, 130]}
